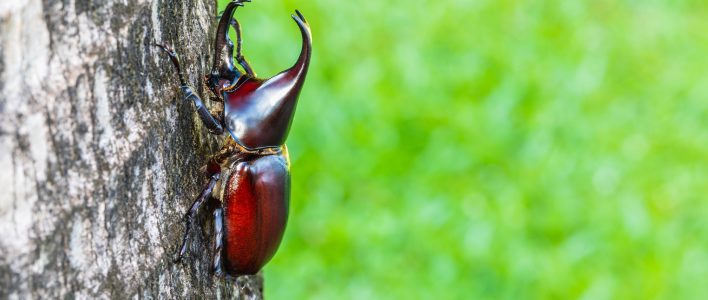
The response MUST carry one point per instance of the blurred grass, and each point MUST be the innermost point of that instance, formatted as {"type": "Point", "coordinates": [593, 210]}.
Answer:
{"type": "Point", "coordinates": [464, 149]}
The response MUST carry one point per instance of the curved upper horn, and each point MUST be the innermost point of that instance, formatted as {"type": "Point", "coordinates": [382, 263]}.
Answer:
{"type": "Point", "coordinates": [299, 70]}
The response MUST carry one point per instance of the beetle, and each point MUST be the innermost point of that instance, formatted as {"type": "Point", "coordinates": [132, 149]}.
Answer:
{"type": "Point", "coordinates": [249, 178]}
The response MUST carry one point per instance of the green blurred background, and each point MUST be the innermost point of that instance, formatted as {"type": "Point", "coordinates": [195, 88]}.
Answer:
{"type": "Point", "coordinates": [463, 149]}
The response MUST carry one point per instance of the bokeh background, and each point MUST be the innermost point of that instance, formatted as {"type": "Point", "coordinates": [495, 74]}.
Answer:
{"type": "Point", "coordinates": [462, 149]}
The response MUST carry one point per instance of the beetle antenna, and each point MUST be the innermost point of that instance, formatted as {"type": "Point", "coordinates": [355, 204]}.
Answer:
{"type": "Point", "coordinates": [175, 61]}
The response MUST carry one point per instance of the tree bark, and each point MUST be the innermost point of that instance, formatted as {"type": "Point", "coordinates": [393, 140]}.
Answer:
{"type": "Point", "coordinates": [100, 156]}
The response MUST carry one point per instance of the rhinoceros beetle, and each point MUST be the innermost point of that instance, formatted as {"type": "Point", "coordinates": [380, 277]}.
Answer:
{"type": "Point", "coordinates": [249, 178]}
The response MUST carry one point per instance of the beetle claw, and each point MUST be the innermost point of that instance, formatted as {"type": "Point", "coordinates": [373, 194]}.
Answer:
{"type": "Point", "coordinates": [177, 259]}
{"type": "Point", "coordinates": [180, 252]}
{"type": "Point", "coordinates": [175, 61]}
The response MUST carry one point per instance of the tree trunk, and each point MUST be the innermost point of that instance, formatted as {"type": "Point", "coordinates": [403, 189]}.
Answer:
{"type": "Point", "coordinates": [100, 156]}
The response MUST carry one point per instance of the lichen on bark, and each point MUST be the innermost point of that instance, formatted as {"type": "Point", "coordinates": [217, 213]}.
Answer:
{"type": "Point", "coordinates": [100, 155]}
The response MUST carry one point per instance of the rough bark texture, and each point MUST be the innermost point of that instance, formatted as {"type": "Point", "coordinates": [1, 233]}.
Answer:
{"type": "Point", "coordinates": [100, 156]}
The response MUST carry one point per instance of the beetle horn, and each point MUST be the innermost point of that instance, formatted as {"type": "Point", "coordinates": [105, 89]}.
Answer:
{"type": "Point", "coordinates": [223, 46]}
{"type": "Point", "coordinates": [259, 113]}
{"type": "Point", "coordinates": [295, 76]}
{"type": "Point", "coordinates": [299, 70]}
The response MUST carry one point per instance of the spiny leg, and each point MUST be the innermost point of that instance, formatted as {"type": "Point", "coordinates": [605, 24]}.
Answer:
{"type": "Point", "coordinates": [192, 213]}
{"type": "Point", "coordinates": [239, 57]}
{"type": "Point", "coordinates": [211, 122]}
{"type": "Point", "coordinates": [218, 240]}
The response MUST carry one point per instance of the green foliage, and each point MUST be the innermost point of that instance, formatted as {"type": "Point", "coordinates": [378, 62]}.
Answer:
{"type": "Point", "coordinates": [463, 149]}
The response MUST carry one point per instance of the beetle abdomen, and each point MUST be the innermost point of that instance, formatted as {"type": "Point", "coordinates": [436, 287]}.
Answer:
{"type": "Point", "coordinates": [256, 201]}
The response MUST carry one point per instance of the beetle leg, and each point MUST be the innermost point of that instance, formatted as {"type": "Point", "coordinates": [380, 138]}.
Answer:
{"type": "Point", "coordinates": [175, 61]}
{"type": "Point", "coordinates": [239, 57]}
{"type": "Point", "coordinates": [210, 121]}
{"type": "Point", "coordinates": [192, 214]}
{"type": "Point", "coordinates": [218, 240]}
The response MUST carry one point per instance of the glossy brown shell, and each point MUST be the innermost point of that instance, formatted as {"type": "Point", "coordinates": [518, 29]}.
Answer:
{"type": "Point", "coordinates": [256, 200]}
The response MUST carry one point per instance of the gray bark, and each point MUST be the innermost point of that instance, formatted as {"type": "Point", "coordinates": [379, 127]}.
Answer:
{"type": "Point", "coordinates": [100, 156]}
